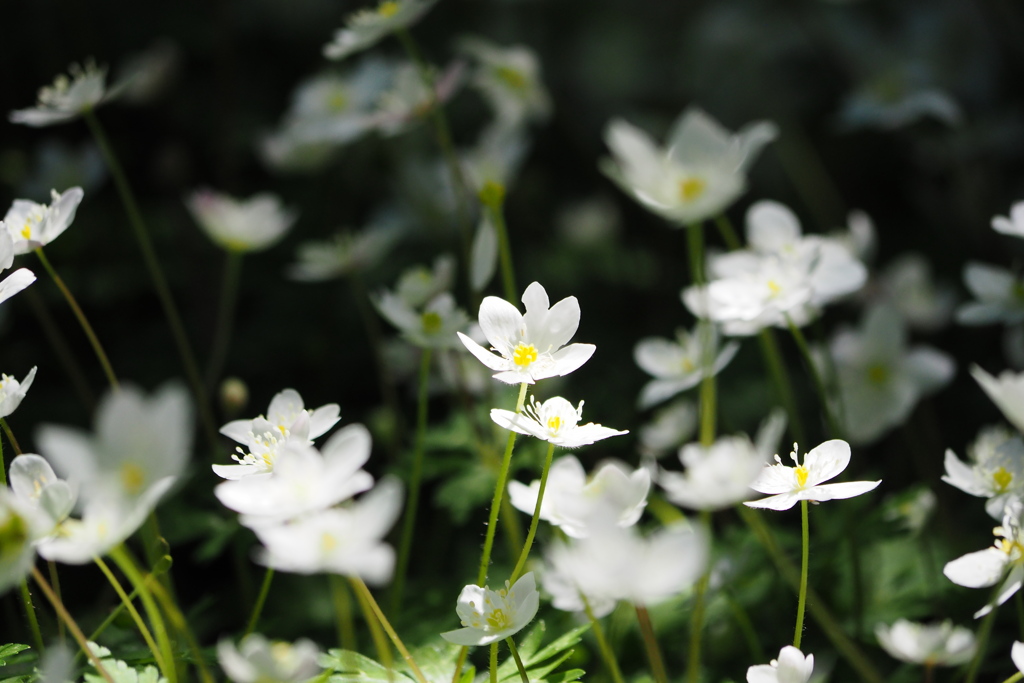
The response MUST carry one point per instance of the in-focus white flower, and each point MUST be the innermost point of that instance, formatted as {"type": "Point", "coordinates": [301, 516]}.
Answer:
{"type": "Point", "coordinates": [531, 346]}
{"type": "Point", "coordinates": [238, 225]}
{"type": "Point", "coordinates": [12, 391]}
{"type": "Point", "coordinates": [555, 421]}
{"type": "Point", "coordinates": [489, 616]}
{"type": "Point", "coordinates": [35, 225]}
{"type": "Point", "coordinates": [995, 470]}
{"type": "Point", "coordinates": [671, 427]}
{"type": "Point", "coordinates": [19, 279]}
{"type": "Point", "coordinates": [791, 667]}
{"type": "Point", "coordinates": [998, 293]}
{"type": "Point", "coordinates": [367, 26]}
{"type": "Point", "coordinates": [677, 365]}
{"type": "Point", "coordinates": [702, 171]}
{"type": "Point", "coordinates": [941, 644]}
{"type": "Point", "coordinates": [509, 78]}
{"type": "Point", "coordinates": [433, 327]}
{"type": "Point", "coordinates": [258, 660]}
{"type": "Point", "coordinates": [787, 485]}
{"type": "Point", "coordinates": [614, 495]}
{"type": "Point", "coordinates": [1014, 225]}
{"type": "Point", "coordinates": [986, 567]}
{"type": "Point", "coordinates": [67, 98]}
{"type": "Point", "coordinates": [1006, 391]}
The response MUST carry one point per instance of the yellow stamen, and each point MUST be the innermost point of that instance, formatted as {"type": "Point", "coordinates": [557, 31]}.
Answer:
{"type": "Point", "coordinates": [555, 423]}
{"type": "Point", "coordinates": [774, 287]}
{"type": "Point", "coordinates": [431, 322]}
{"type": "Point", "coordinates": [26, 232]}
{"type": "Point", "coordinates": [1002, 478]}
{"type": "Point", "coordinates": [328, 543]}
{"type": "Point", "coordinates": [511, 77]}
{"type": "Point", "coordinates": [337, 101]}
{"type": "Point", "coordinates": [801, 475]}
{"type": "Point", "coordinates": [690, 188]}
{"type": "Point", "coordinates": [497, 619]}
{"type": "Point", "coordinates": [132, 477]}
{"type": "Point", "coordinates": [388, 8]}
{"type": "Point", "coordinates": [878, 374]}
{"type": "Point", "coordinates": [524, 354]}
{"type": "Point", "coordinates": [688, 365]}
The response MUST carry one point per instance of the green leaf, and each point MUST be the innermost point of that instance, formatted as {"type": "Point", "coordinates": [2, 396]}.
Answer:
{"type": "Point", "coordinates": [120, 672]}
{"type": "Point", "coordinates": [540, 663]}
{"type": "Point", "coordinates": [9, 650]}
{"type": "Point", "coordinates": [352, 667]}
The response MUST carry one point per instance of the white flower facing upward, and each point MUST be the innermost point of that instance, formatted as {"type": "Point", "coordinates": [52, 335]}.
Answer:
{"type": "Point", "coordinates": [367, 26]}
{"type": "Point", "coordinates": [677, 365]}
{"type": "Point", "coordinates": [252, 224]}
{"type": "Point", "coordinates": [998, 293]}
{"type": "Point", "coordinates": [433, 327]}
{"type": "Point", "coordinates": [530, 346]}
{"type": "Point", "coordinates": [995, 470]}
{"type": "Point", "coordinates": [941, 644]}
{"type": "Point", "coordinates": [986, 567]}
{"type": "Point", "coordinates": [258, 660]}
{"type": "Point", "coordinates": [12, 391]}
{"type": "Point", "coordinates": [791, 667]}
{"type": "Point", "coordinates": [67, 98]}
{"type": "Point", "coordinates": [1012, 225]}
{"type": "Point", "coordinates": [555, 421]}
{"type": "Point", "coordinates": [699, 174]}
{"type": "Point", "coordinates": [19, 279]}
{"type": "Point", "coordinates": [35, 225]}
{"type": "Point", "coordinates": [788, 485]}
{"type": "Point", "coordinates": [489, 616]}
{"type": "Point", "coordinates": [509, 78]}
{"type": "Point", "coordinates": [1006, 391]}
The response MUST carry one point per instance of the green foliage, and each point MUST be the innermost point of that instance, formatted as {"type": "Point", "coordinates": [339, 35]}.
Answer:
{"type": "Point", "coordinates": [9, 650]}
{"type": "Point", "coordinates": [120, 671]}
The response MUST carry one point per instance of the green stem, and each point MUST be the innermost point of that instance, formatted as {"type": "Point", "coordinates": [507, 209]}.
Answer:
{"type": "Point", "coordinates": [499, 490]}
{"type": "Point", "coordinates": [651, 643]}
{"type": "Point", "coordinates": [1014, 678]}
{"type": "Point", "coordinates": [695, 240]}
{"type": "Point", "coordinates": [607, 654]}
{"type": "Point", "coordinates": [746, 626]}
{"type": "Point", "coordinates": [781, 380]}
{"type": "Point", "coordinates": [225, 317]}
{"type": "Point", "coordinates": [805, 350]}
{"type": "Point", "coordinates": [508, 274]}
{"type": "Point", "coordinates": [380, 641]}
{"type": "Point", "coordinates": [361, 587]}
{"type": "Point", "coordinates": [493, 666]}
{"type": "Point", "coordinates": [801, 603]}
{"type": "Point", "coordinates": [343, 613]}
{"type": "Point", "coordinates": [727, 232]}
{"type": "Point", "coordinates": [30, 616]}
{"type": "Point", "coordinates": [519, 661]}
{"type": "Point", "coordinates": [415, 478]}
{"type": "Point", "coordinates": [94, 341]}
{"type": "Point", "coordinates": [534, 523]}
{"type": "Point", "coordinates": [127, 566]}
{"type": "Point", "coordinates": [136, 617]}
{"type": "Point", "coordinates": [156, 274]}
{"type": "Point", "coordinates": [260, 600]}
{"type": "Point", "coordinates": [177, 619]}
{"type": "Point", "coordinates": [10, 437]}
{"type": "Point", "coordinates": [982, 642]}
{"type": "Point", "coordinates": [55, 338]}
{"type": "Point", "coordinates": [697, 615]}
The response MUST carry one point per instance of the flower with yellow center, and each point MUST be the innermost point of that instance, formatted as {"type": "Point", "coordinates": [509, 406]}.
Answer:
{"type": "Point", "coordinates": [555, 421]}
{"type": "Point", "coordinates": [257, 660]}
{"type": "Point", "coordinates": [986, 567]}
{"type": "Point", "coordinates": [366, 27]}
{"type": "Point", "coordinates": [489, 616]}
{"type": "Point", "coordinates": [995, 469]}
{"type": "Point", "coordinates": [33, 225]}
{"type": "Point", "coordinates": [240, 225]}
{"type": "Point", "coordinates": [509, 78]}
{"type": "Point", "coordinates": [12, 391]}
{"type": "Point", "coordinates": [433, 326]}
{"type": "Point", "coordinates": [678, 365]}
{"type": "Point", "coordinates": [68, 98]}
{"type": "Point", "coordinates": [788, 485]}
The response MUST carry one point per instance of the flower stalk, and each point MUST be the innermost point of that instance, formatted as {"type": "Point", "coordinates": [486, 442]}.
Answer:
{"type": "Point", "coordinates": [651, 644]}
{"type": "Point", "coordinates": [257, 609]}
{"type": "Point", "coordinates": [804, 557]}
{"type": "Point", "coordinates": [535, 521]}
{"type": "Point", "coordinates": [361, 588]}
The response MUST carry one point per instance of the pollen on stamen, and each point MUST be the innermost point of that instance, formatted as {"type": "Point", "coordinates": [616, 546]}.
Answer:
{"type": "Point", "coordinates": [388, 8]}
{"type": "Point", "coordinates": [524, 354]}
{"type": "Point", "coordinates": [690, 188]}
{"type": "Point", "coordinates": [1002, 479]}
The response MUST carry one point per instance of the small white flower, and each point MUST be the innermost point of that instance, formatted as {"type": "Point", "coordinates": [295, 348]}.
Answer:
{"type": "Point", "coordinates": [906, 284]}
{"type": "Point", "coordinates": [12, 391]}
{"type": "Point", "coordinates": [791, 667]}
{"type": "Point", "coordinates": [67, 99]}
{"type": "Point", "coordinates": [366, 27]}
{"type": "Point", "coordinates": [434, 327]}
{"type": "Point", "coordinates": [509, 78]}
{"type": "Point", "coordinates": [531, 346]}
{"type": "Point", "coordinates": [344, 253]}
{"type": "Point", "coordinates": [35, 225]}
{"type": "Point", "coordinates": [252, 224]}
{"type": "Point", "coordinates": [671, 426]}
{"type": "Point", "coordinates": [34, 482]}
{"type": "Point", "coordinates": [408, 98]}
{"type": "Point", "coordinates": [911, 509]}
{"type": "Point", "coordinates": [258, 660]}
{"type": "Point", "coordinates": [1006, 391]}
{"type": "Point", "coordinates": [1014, 225]}
{"type": "Point", "coordinates": [677, 365]}
{"type": "Point", "coordinates": [995, 471]}
{"type": "Point", "coordinates": [999, 296]}
{"type": "Point", "coordinates": [17, 553]}
{"type": "Point", "coordinates": [489, 616]}
{"type": "Point", "coordinates": [19, 279]}
{"type": "Point", "coordinates": [555, 421]}
{"type": "Point", "coordinates": [787, 485]}
{"type": "Point", "coordinates": [986, 567]}
{"type": "Point", "coordinates": [897, 98]}
{"type": "Point", "coordinates": [941, 644]}
{"type": "Point", "coordinates": [418, 285]}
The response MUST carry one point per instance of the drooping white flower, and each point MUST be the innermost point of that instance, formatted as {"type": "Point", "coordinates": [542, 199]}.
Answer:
{"type": "Point", "coordinates": [12, 391]}
{"type": "Point", "coordinates": [19, 279]}
{"type": "Point", "coordinates": [614, 495]}
{"type": "Point", "coordinates": [998, 293]}
{"type": "Point", "coordinates": [35, 225]}
{"type": "Point", "coordinates": [258, 660]}
{"type": "Point", "coordinates": [677, 365]}
{"type": "Point", "coordinates": [67, 98]}
{"type": "Point", "coordinates": [530, 347]}
{"type": "Point", "coordinates": [489, 616]}
{"type": "Point", "coordinates": [699, 174]}
{"type": "Point", "coordinates": [252, 224]}
{"type": "Point", "coordinates": [1014, 225]}
{"type": "Point", "coordinates": [433, 327]}
{"type": "Point", "coordinates": [788, 485]}
{"type": "Point", "coordinates": [791, 667]}
{"type": "Point", "coordinates": [555, 421]}
{"type": "Point", "coordinates": [986, 567]}
{"type": "Point", "coordinates": [1006, 391]}
{"type": "Point", "coordinates": [995, 470]}
{"type": "Point", "coordinates": [509, 78]}
{"type": "Point", "coordinates": [941, 644]}
{"type": "Point", "coordinates": [366, 27]}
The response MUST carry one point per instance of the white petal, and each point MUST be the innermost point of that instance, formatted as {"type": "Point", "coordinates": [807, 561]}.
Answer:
{"type": "Point", "coordinates": [483, 355]}
{"type": "Point", "coordinates": [782, 501]}
{"type": "Point", "coordinates": [570, 358]}
{"type": "Point", "coordinates": [977, 570]}
{"type": "Point", "coordinates": [838, 491]}
{"type": "Point", "coordinates": [826, 461]}
{"type": "Point", "coordinates": [1017, 654]}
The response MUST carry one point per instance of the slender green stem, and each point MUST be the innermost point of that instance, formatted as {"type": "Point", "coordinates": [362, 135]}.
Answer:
{"type": "Point", "coordinates": [697, 615]}
{"type": "Point", "coordinates": [380, 640]}
{"type": "Point", "coordinates": [1014, 678]}
{"type": "Point", "coordinates": [415, 479]}
{"type": "Point", "coordinates": [607, 654]}
{"type": "Point", "coordinates": [493, 664]}
{"type": "Point", "coordinates": [519, 661]}
{"type": "Point", "coordinates": [55, 337]}
{"type": "Point", "coordinates": [136, 617]}
{"type": "Point", "coordinates": [127, 566]}
{"type": "Point", "coordinates": [493, 197]}
{"type": "Point", "coordinates": [535, 522]}
{"type": "Point", "coordinates": [260, 600]}
{"type": "Point", "coordinates": [51, 567]}
{"type": "Point", "coordinates": [225, 317]}
{"type": "Point", "coordinates": [361, 587]}
{"type": "Point", "coordinates": [651, 643]}
{"type": "Point", "coordinates": [499, 490]}
{"type": "Point", "coordinates": [94, 341]}
{"type": "Point", "coordinates": [343, 613]}
{"type": "Point", "coordinates": [819, 385]}
{"type": "Point", "coordinates": [30, 616]}
{"type": "Point", "coordinates": [156, 274]}
{"type": "Point", "coordinates": [459, 662]}
{"type": "Point", "coordinates": [801, 603]}
{"type": "Point", "coordinates": [982, 643]}
{"type": "Point", "coordinates": [781, 380]}
{"type": "Point", "coordinates": [178, 621]}
{"type": "Point", "coordinates": [727, 232]}
{"type": "Point", "coordinates": [114, 614]}
{"type": "Point", "coordinates": [695, 240]}
{"type": "Point", "coordinates": [10, 437]}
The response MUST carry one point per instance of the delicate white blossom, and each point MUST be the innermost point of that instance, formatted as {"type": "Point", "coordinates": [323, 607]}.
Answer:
{"type": "Point", "coordinates": [433, 327]}
{"type": "Point", "coordinates": [19, 279]}
{"type": "Point", "coordinates": [986, 567]}
{"type": "Point", "coordinates": [345, 253]}
{"type": "Point", "coordinates": [366, 27]}
{"type": "Point", "coordinates": [258, 660]}
{"type": "Point", "coordinates": [1014, 225]}
{"type": "Point", "coordinates": [67, 98]}
{"type": "Point", "coordinates": [12, 391]}
{"type": "Point", "coordinates": [995, 470]}
{"type": "Point", "coordinates": [252, 224]}
{"type": "Point", "coordinates": [555, 421]}
{"type": "Point", "coordinates": [1006, 391]}
{"type": "Point", "coordinates": [509, 78]}
{"type": "Point", "coordinates": [17, 553]}
{"type": "Point", "coordinates": [998, 293]}
{"type": "Point", "coordinates": [489, 616]}
{"type": "Point", "coordinates": [788, 485]}
{"type": "Point", "coordinates": [33, 225]}
{"type": "Point", "coordinates": [678, 365]}
{"type": "Point", "coordinates": [791, 667]}
{"type": "Point", "coordinates": [941, 644]}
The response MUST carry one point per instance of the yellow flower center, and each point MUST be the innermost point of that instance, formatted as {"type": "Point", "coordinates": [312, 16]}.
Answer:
{"type": "Point", "coordinates": [688, 365]}
{"type": "Point", "coordinates": [691, 187]}
{"type": "Point", "coordinates": [1002, 478]}
{"type": "Point", "coordinates": [524, 354]}
{"type": "Point", "coordinates": [1009, 547]}
{"type": "Point", "coordinates": [132, 477]}
{"type": "Point", "coordinates": [388, 8]}
{"type": "Point", "coordinates": [774, 287]}
{"type": "Point", "coordinates": [492, 194]}
{"type": "Point", "coordinates": [514, 79]}
{"type": "Point", "coordinates": [497, 619]}
{"type": "Point", "coordinates": [431, 322]}
{"type": "Point", "coordinates": [801, 475]}
{"type": "Point", "coordinates": [878, 374]}
{"type": "Point", "coordinates": [554, 423]}
{"type": "Point", "coordinates": [26, 232]}
{"type": "Point", "coordinates": [328, 543]}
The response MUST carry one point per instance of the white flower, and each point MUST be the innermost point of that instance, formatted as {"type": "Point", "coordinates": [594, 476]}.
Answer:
{"type": "Point", "coordinates": [554, 421]}
{"type": "Point", "coordinates": [1006, 391]}
{"type": "Point", "coordinates": [986, 567]}
{"type": "Point", "coordinates": [790, 667]}
{"type": "Point", "coordinates": [493, 162]}
{"type": "Point", "coordinates": [531, 346]}
{"type": "Point", "coordinates": [12, 391]}
{"type": "Point", "coordinates": [1014, 225]}
{"type": "Point", "coordinates": [67, 99]}
{"type": "Point", "coordinates": [1017, 654]}
{"type": "Point", "coordinates": [408, 98]}
{"type": "Point", "coordinates": [418, 285]}
{"type": "Point", "coordinates": [996, 470]}
{"type": "Point", "coordinates": [614, 495]}
{"type": "Point", "coordinates": [434, 327]}
{"type": "Point", "coordinates": [35, 225]}
{"type": "Point", "coordinates": [509, 78]}
{"type": "Point", "coordinates": [911, 509]}
{"type": "Point", "coordinates": [17, 553]}
{"type": "Point", "coordinates": [34, 482]}
{"type": "Point", "coordinates": [344, 253]}
{"type": "Point", "coordinates": [698, 176]}
{"type": "Point", "coordinates": [19, 279]}
{"type": "Point", "coordinates": [237, 225]}
{"type": "Point", "coordinates": [999, 294]}
{"type": "Point", "coordinates": [258, 660]}
{"type": "Point", "coordinates": [677, 365]}
{"type": "Point", "coordinates": [365, 27]}
{"type": "Point", "coordinates": [489, 616]}
{"type": "Point", "coordinates": [671, 426]}
{"type": "Point", "coordinates": [897, 98]}
{"type": "Point", "coordinates": [787, 485]}
{"type": "Point", "coordinates": [906, 284]}
{"type": "Point", "coordinates": [941, 644]}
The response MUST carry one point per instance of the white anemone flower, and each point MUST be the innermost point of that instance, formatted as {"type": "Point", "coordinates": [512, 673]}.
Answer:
{"type": "Point", "coordinates": [433, 327]}
{"type": "Point", "coordinates": [1006, 391]}
{"type": "Point", "coordinates": [941, 644]}
{"type": "Point", "coordinates": [532, 346]}
{"type": "Point", "coordinates": [258, 660]}
{"type": "Point", "coordinates": [366, 27]}
{"type": "Point", "coordinates": [67, 98]}
{"type": "Point", "coordinates": [509, 78]}
{"type": "Point", "coordinates": [489, 616]}
{"type": "Point", "coordinates": [995, 470]}
{"type": "Point", "coordinates": [238, 225]}
{"type": "Point", "coordinates": [419, 284]}
{"type": "Point", "coordinates": [17, 553]}
{"type": "Point", "coordinates": [555, 421]}
{"type": "Point", "coordinates": [699, 174]}
{"type": "Point", "coordinates": [986, 567]}
{"type": "Point", "coordinates": [677, 365]}
{"type": "Point", "coordinates": [35, 225]}
{"type": "Point", "coordinates": [791, 667]}
{"type": "Point", "coordinates": [34, 482]}
{"type": "Point", "coordinates": [671, 427]}
{"type": "Point", "coordinates": [1012, 225]}
{"type": "Point", "coordinates": [12, 392]}
{"type": "Point", "coordinates": [19, 279]}
{"type": "Point", "coordinates": [345, 253]}
{"type": "Point", "coordinates": [998, 293]}
{"type": "Point", "coordinates": [906, 284]}
{"type": "Point", "coordinates": [788, 485]}
{"type": "Point", "coordinates": [613, 495]}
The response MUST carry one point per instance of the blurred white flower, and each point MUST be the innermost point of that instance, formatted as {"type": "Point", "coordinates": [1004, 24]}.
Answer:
{"type": "Point", "coordinates": [366, 27]}
{"type": "Point", "coordinates": [344, 253]}
{"type": "Point", "coordinates": [791, 667]}
{"type": "Point", "coordinates": [1017, 654]}
{"type": "Point", "coordinates": [788, 485]}
{"type": "Point", "coordinates": [532, 346]}
{"type": "Point", "coordinates": [147, 74]}
{"type": "Point", "coordinates": [995, 471]}
{"type": "Point", "coordinates": [941, 644]}
{"type": "Point", "coordinates": [906, 284]}
{"type": "Point", "coordinates": [238, 225]}
{"type": "Point", "coordinates": [17, 553]}
{"type": "Point", "coordinates": [911, 509]}
{"type": "Point", "coordinates": [1006, 391]}
{"type": "Point", "coordinates": [258, 660]}
{"type": "Point", "coordinates": [493, 162]}
{"type": "Point", "coordinates": [894, 100]}
{"type": "Point", "coordinates": [670, 427]}
{"type": "Point", "coordinates": [677, 365]}
{"type": "Point", "coordinates": [434, 327]}
{"type": "Point", "coordinates": [67, 98]}
{"type": "Point", "coordinates": [986, 567]}
{"type": "Point", "coordinates": [34, 225]}
{"type": "Point", "coordinates": [509, 79]}
{"type": "Point", "coordinates": [1014, 225]}
{"type": "Point", "coordinates": [34, 482]}
{"type": "Point", "coordinates": [418, 285]}
{"type": "Point", "coordinates": [555, 421]}
{"type": "Point", "coordinates": [12, 391]}
{"type": "Point", "coordinates": [489, 616]}
{"type": "Point", "coordinates": [408, 98]}
{"type": "Point", "coordinates": [700, 173]}
{"type": "Point", "coordinates": [999, 296]}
